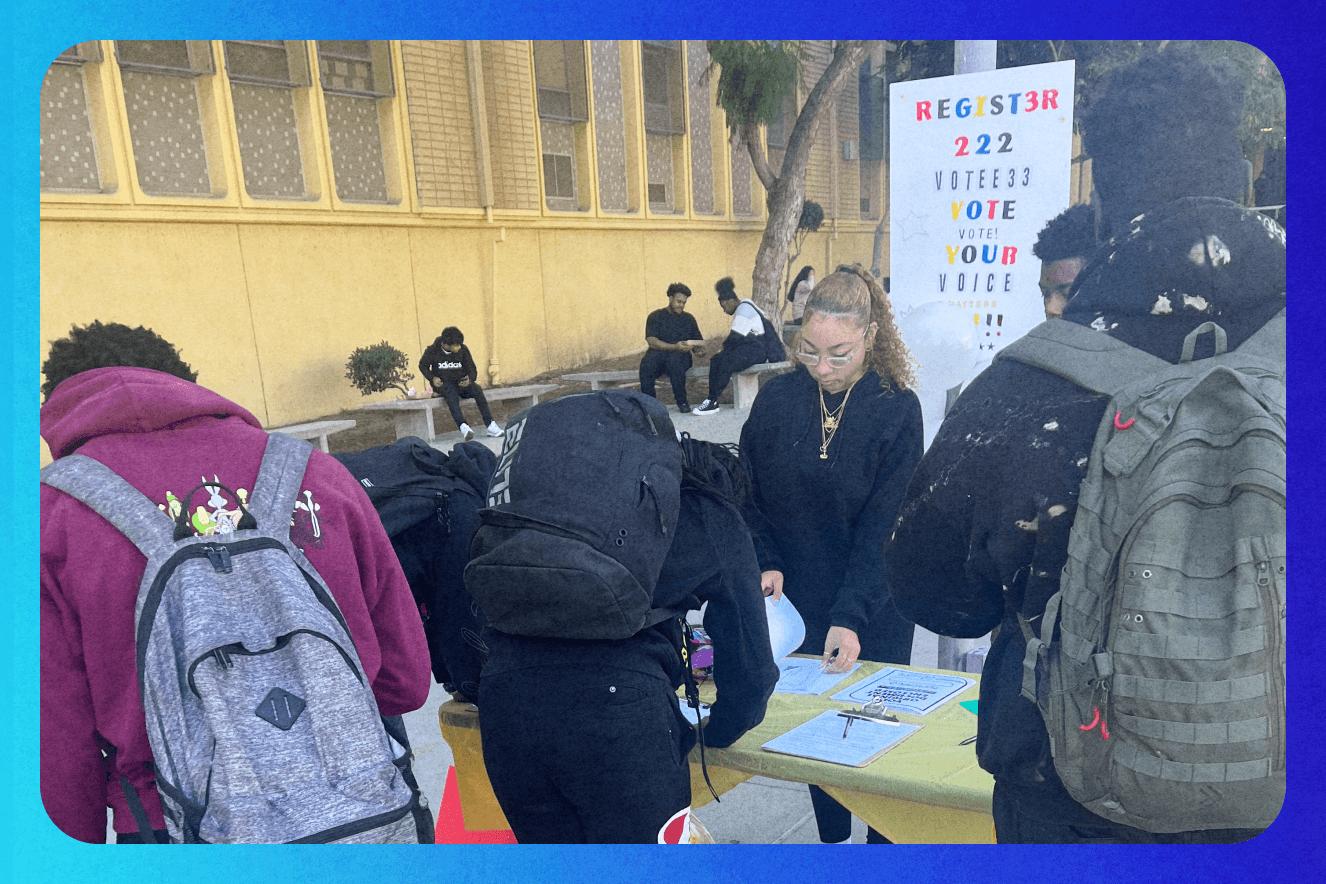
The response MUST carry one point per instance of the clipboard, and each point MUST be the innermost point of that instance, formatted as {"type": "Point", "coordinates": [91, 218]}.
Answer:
{"type": "Point", "coordinates": [841, 738]}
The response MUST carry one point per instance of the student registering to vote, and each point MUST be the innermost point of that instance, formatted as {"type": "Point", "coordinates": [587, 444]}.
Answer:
{"type": "Point", "coordinates": [831, 447]}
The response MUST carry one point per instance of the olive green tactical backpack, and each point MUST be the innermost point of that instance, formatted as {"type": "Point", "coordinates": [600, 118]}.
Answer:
{"type": "Point", "coordinates": [1159, 666]}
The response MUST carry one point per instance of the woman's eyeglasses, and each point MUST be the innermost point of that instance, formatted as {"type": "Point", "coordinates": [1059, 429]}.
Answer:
{"type": "Point", "coordinates": [813, 359]}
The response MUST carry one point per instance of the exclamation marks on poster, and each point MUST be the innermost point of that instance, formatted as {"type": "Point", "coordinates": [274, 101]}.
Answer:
{"type": "Point", "coordinates": [994, 322]}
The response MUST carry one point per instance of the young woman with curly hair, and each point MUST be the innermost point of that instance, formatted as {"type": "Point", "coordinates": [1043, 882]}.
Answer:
{"type": "Point", "coordinates": [831, 447]}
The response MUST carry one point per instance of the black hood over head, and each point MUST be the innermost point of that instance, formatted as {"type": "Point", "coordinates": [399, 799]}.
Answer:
{"type": "Point", "coordinates": [1177, 266]}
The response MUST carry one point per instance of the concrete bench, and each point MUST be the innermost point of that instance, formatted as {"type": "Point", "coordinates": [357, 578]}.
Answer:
{"type": "Point", "coordinates": [596, 379]}
{"type": "Point", "coordinates": [319, 430]}
{"type": "Point", "coordinates": [414, 417]}
{"type": "Point", "coordinates": [746, 383]}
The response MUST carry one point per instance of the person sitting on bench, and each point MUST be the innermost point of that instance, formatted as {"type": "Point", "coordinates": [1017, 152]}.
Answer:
{"type": "Point", "coordinates": [672, 335]}
{"type": "Point", "coordinates": [751, 340]}
{"type": "Point", "coordinates": [448, 366]}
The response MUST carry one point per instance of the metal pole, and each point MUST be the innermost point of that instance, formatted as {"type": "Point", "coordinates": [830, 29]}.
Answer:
{"type": "Point", "coordinates": [972, 56]}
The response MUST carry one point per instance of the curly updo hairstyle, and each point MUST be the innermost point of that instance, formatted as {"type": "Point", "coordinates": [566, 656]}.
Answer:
{"type": "Point", "coordinates": [853, 294]}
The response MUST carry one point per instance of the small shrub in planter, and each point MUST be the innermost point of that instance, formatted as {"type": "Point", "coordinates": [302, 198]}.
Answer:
{"type": "Point", "coordinates": [378, 368]}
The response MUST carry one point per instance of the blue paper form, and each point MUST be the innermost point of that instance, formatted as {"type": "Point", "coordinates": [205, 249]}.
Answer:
{"type": "Point", "coordinates": [839, 739]}
{"type": "Point", "coordinates": [918, 693]}
{"type": "Point", "coordinates": [799, 675]}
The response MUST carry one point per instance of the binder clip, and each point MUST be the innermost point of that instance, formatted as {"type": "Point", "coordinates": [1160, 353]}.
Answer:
{"type": "Point", "coordinates": [877, 710]}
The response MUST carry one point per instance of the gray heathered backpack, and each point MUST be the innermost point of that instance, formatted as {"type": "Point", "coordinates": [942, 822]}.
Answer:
{"type": "Point", "coordinates": [1160, 663]}
{"type": "Point", "coordinates": [262, 726]}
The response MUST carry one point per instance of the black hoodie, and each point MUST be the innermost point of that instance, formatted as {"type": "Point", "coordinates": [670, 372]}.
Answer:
{"type": "Point", "coordinates": [447, 367]}
{"type": "Point", "coordinates": [964, 555]}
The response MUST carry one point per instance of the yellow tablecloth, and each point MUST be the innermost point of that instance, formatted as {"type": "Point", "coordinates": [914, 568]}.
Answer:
{"type": "Point", "coordinates": [926, 790]}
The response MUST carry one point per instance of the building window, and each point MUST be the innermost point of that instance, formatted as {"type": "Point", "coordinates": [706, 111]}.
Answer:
{"type": "Point", "coordinates": [266, 77]}
{"type": "Point", "coordinates": [559, 165]}
{"type": "Point", "coordinates": [662, 173]}
{"type": "Point", "coordinates": [357, 87]}
{"type": "Point", "coordinates": [872, 116]}
{"type": "Point", "coordinates": [164, 103]}
{"type": "Point", "coordinates": [563, 104]}
{"type": "Point", "coordinates": [661, 76]}
{"type": "Point", "coordinates": [559, 71]}
{"type": "Point", "coordinates": [777, 133]}
{"type": "Point", "coordinates": [68, 142]}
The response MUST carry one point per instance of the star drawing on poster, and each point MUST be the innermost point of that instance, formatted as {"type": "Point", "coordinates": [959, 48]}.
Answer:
{"type": "Point", "coordinates": [912, 225]}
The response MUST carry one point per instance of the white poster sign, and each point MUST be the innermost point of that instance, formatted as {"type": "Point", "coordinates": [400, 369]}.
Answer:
{"type": "Point", "coordinates": [978, 163]}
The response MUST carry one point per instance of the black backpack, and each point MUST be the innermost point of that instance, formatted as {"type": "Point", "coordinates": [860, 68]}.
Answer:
{"type": "Point", "coordinates": [580, 517]}
{"type": "Point", "coordinates": [429, 503]}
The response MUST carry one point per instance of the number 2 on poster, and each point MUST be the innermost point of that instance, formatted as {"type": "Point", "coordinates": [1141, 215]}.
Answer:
{"type": "Point", "coordinates": [983, 143]}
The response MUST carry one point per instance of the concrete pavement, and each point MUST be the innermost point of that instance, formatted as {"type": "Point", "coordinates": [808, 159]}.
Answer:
{"type": "Point", "coordinates": [760, 810]}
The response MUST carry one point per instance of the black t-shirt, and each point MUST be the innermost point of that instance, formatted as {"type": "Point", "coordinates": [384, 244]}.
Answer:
{"type": "Point", "coordinates": [672, 328]}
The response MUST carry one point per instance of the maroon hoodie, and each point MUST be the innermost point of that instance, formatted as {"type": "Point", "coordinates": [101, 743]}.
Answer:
{"type": "Point", "coordinates": [165, 436]}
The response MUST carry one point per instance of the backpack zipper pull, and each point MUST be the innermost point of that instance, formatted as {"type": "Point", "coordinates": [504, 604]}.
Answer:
{"type": "Point", "coordinates": [219, 556]}
{"type": "Point", "coordinates": [662, 525]}
{"type": "Point", "coordinates": [442, 502]}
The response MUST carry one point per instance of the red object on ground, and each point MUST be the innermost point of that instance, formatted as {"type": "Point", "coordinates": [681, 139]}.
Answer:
{"type": "Point", "coordinates": [451, 822]}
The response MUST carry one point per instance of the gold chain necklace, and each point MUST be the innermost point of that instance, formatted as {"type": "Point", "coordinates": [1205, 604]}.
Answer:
{"type": "Point", "coordinates": [831, 420]}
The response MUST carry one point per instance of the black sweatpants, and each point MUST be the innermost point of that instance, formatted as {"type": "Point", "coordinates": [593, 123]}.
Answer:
{"type": "Point", "coordinates": [453, 394]}
{"type": "Point", "coordinates": [578, 761]}
{"type": "Point", "coordinates": [672, 363]}
{"type": "Point", "coordinates": [729, 361]}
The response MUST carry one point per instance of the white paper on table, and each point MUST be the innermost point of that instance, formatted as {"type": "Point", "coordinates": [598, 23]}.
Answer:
{"type": "Point", "coordinates": [918, 693]}
{"type": "Point", "coordinates": [786, 628]}
{"type": "Point", "coordinates": [806, 675]}
{"type": "Point", "coordinates": [839, 738]}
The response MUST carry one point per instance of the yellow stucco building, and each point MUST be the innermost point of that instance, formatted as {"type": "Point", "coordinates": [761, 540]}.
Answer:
{"type": "Point", "coordinates": [269, 206]}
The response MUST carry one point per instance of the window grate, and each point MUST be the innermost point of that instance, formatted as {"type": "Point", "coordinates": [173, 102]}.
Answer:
{"type": "Point", "coordinates": [559, 73]}
{"type": "Point", "coordinates": [267, 62]}
{"type": "Point", "coordinates": [355, 67]}
{"type": "Point", "coordinates": [660, 75]}
{"type": "Point", "coordinates": [182, 58]}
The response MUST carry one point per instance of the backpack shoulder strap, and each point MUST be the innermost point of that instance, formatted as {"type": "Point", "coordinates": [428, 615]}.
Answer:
{"type": "Point", "coordinates": [277, 486]}
{"type": "Point", "coordinates": [1084, 356]}
{"type": "Point", "coordinates": [107, 494]}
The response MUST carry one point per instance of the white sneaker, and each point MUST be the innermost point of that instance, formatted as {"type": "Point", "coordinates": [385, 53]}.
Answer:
{"type": "Point", "coordinates": [494, 429]}
{"type": "Point", "coordinates": [466, 432]}
{"type": "Point", "coordinates": [706, 407]}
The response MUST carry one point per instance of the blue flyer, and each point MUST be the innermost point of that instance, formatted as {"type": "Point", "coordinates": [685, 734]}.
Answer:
{"type": "Point", "coordinates": [903, 690]}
